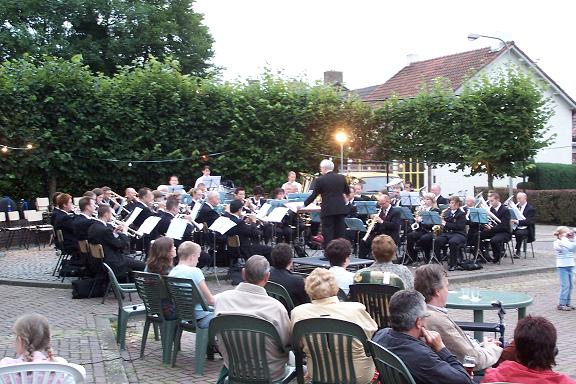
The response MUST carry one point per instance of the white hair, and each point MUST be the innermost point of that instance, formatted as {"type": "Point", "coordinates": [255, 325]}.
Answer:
{"type": "Point", "coordinates": [212, 194]}
{"type": "Point", "coordinates": [327, 165]}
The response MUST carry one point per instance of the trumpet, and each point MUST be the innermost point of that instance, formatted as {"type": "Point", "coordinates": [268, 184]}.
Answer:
{"type": "Point", "coordinates": [371, 224]}
{"type": "Point", "coordinates": [115, 223]}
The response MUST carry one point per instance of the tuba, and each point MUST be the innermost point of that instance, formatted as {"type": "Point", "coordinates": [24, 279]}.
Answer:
{"type": "Point", "coordinates": [306, 181]}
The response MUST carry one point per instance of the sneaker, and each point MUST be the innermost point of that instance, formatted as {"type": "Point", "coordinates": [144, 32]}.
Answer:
{"type": "Point", "coordinates": [563, 308]}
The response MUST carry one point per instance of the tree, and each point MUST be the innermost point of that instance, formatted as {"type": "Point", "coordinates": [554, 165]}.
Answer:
{"type": "Point", "coordinates": [107, 33]}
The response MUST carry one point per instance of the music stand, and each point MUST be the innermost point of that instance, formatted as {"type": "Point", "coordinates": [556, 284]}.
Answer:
{"type": "Point", "coordinates": [298, 197]}
{"type": "Point", "coordinates": [407, 216]}
{"type": "Point", "coordinates": [409, 199]}
{"type": "Point", "coordinates": [355, 224]}
{"type": "Point", "coordinates": [212, 182]}
{"type": "Point", "coordinates": [176, 188]}
{"type": "Point", "coordinates": [479, 216]}
{"type": "Point", "coordinates": [366, 207]}
{"type": "Point", "coordinates": [431, 218]}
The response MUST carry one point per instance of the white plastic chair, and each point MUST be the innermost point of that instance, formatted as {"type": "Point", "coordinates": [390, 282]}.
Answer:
{"type": "Point", "coordinates": [45, 373]}
{"type": "Point", "coordinates": [42, 203]}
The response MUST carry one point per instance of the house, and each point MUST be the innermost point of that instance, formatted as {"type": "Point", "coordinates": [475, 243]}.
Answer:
{"type": "Point", "coordinates": [468, 66]}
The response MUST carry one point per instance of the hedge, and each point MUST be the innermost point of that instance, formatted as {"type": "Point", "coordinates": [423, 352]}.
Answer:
{"type": "Point", "coordinates": [553, 176]}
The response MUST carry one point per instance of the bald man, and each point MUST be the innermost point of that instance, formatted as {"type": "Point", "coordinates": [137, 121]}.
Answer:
{"type": "Point", "coordinates": [524, 230]}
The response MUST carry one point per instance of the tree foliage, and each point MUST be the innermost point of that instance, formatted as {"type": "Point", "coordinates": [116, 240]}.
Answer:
{"type": "Point", "coordinates": [107, 33]}
{"type": "Point", "coordinates": [496, 126]}
{"type": "Point", "coordinates": [80, 122]}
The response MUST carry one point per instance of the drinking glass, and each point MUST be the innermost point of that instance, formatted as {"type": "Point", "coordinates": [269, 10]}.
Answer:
{"type": "Point", "coordinates": [469, 364]}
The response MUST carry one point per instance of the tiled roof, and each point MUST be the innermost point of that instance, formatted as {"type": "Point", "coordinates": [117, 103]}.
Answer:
{"type": "Point", "coordinates": [408, 81]}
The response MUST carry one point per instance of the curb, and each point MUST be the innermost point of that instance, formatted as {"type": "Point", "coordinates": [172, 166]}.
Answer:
{"type": "Point", "coordinates": [35, 283]}
{"type": "Point", "coordinates": [499, 274]}
{"type": "Point", "coordinates": [113, 366]}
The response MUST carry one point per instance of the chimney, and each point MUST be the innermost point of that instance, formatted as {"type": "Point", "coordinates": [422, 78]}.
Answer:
{"type": "Point", "coordinates": [412, 58]}
{"type": "Point", "coordinates": [333, 77]}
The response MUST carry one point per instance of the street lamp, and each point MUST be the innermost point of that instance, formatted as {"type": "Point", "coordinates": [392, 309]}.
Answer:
{"type": "Point", "coordinates": [472, 37]}
{"type": "Point", "coordinates": [341, 138]}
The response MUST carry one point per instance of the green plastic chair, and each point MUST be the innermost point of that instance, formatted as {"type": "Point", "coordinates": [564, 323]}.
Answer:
{"type": "Point", "coordinates": [244, 339]}
{"type": "Point", "coordinates": [153, 294]}
{"type": "Point", "coordinates": [125, 312]}
{"type": "Point", "coordinates": [391, 369]}
{"type": "Point", "coordinates": [280, 293]}
{"type": "Point", "coordinates": [375, 298]}
{"type": "Point", "coordinates": [329, 342]}
{"type": "Point", "coordinates": [342, 296]}
{"type": "Point", "coordinates": [185, 295]}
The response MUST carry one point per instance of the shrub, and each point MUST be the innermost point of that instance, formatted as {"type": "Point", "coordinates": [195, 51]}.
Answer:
{"type": "Point", "coordinates": [553, 176]}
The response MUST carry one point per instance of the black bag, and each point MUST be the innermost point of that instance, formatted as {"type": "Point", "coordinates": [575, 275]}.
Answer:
{"type": "Point", "coordinates": [81, 288]}
{"type": "Point", "coordinates": [469, 265]}
{"type": "Point", "coordinates": [72, 268]}
{"type": "Point", "coordinates": [299, 250]}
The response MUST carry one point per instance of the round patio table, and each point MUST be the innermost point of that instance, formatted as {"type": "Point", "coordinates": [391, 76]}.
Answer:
{"type": "Point", "coordinates": [515, 300]}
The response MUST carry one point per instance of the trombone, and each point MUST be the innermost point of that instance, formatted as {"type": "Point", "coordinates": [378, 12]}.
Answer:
{"type": "Point", "coordinates": [115, 223]}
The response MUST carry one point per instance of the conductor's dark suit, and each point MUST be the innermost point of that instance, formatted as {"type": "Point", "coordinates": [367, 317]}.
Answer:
{"type": "Point", "coordinates": [332, 187]}
{"type": "Point", "coordinates": [526, 229]}
{"type": "Point", "coordinates": [99, 233]}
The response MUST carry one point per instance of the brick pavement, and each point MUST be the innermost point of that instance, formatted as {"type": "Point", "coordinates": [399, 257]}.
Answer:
{"type": "Point", "coordinates": [82, 332]}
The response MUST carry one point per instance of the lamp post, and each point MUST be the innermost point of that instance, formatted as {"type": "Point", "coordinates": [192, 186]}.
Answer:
{"type": "Point", "coordinates": [475, 36]}
{"type": "Point", "coordinates": [341, 138]}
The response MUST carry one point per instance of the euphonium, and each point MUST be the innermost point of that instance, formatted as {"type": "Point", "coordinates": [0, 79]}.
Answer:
{"type": "Point", "coordinates": [437, 229]}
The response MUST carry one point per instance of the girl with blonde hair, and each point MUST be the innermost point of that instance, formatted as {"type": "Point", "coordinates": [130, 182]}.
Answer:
{"type": "Point", "coordinates": [564, 246]}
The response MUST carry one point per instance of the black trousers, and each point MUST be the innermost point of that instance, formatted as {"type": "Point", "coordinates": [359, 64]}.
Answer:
{"type": "Point", "coordinates": [455, 242]}
{"type": "Point", "coordinates": [497, 241]}
{"type": "Point", "coordinates": [333, 227]}
{"type": "Point", "coordinates": [521, 235]}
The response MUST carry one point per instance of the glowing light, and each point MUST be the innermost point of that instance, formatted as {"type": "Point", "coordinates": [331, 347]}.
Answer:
{"type": "Point", "coordinates": [4, 149]}
{"type": "Point", "coordinates": [341, 137]}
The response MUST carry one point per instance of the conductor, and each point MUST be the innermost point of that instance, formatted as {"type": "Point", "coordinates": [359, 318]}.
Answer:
{"type": "Point", "coordinates": [332, 187]}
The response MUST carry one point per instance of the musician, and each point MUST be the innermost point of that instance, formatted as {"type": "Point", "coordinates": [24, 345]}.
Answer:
{"type": "Point", "coordinates": [292, 183]}
{"type": "Point", "coordinates": [453, 232]}
{"type": "Point", "coordinates": [131, 199]}
{"type": "Point", "coordinates": [159, 199]}
{"type": "Point", "coordinates": [279, 194]}
{"type": "Point", "coordinates": [55, 210]}
{"type": "Point", "coordinates": [332, 187]}
{"type": "Point", "coordinates": [174, 185]}
{"type": "Point", "coordinates": [107, 198]}
{"type": "Point", "coordinates": [196, 195]}
{"type": "Point", "coordinates": [207, 213]}
{"type": "Point", "coordinates": [202, 188]}
{"type": "Point", "coordinates": [64, 221]}
{"type": "Point", "coordinates": [437, 191]}
{"type": "Point", "coordinates": [473, 228]}
{"type": "Point", "coordinates": [397, 199]}
{"type": "Point", "coordinates": [145, 198]}
{"type": "Point", "coordinates": [113, 243]}
{"type": "Point", "coordinates": [422, 236]}
{"type": "Point", "coordinates": [247, 231]}
{"type": "Point", "coordinates": [525, 230]}
{"type": "Point", "coordinates": [408, 186]}
{"type": "Point", "coordinates": [388, 222]}
{"type": "Point", "coordinates": [85, 219]}
{"type": "Point", "coordinates": [358, 192]}
{"type": "Point", "coordinates": [205, 173]}
{"type": "Point", "coordinates": [497, 233]}
{"type": "Point", "coordinates": [99, 195]}
{"type": "Point", "coordinates": [257, 199]}
{"type": "Point", "coordinates": [240, 195]}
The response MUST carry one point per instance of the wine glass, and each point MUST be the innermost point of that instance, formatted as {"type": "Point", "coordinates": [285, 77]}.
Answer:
{"type": "Point", "coordinates": [469, 364]}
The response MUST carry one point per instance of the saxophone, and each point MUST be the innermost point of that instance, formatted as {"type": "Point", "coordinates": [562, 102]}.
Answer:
{"type": "Point", "coordinates": [437, 229]}
{"type": "Point", "coordinates": [371, 223]}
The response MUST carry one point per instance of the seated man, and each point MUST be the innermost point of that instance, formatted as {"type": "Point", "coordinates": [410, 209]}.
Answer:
{"type": "Point", "coordinates": [422, 351]}
{"type": "Point", "coordinates": [453, 233]}
{"type": "Point", "coordinates": [113, 242]}
{"type": "Point", "coordinates": [432, 282]}
{"type": "Point", "coordinates": [499, 233]}
{"type": "Point", "coordinates": [250, 298]}
{"type": "Point", "coordinates": [281, 273]}
{"type": "Point", "coordinates": [338, 252]}
{"type": "Point", "coordinates": [388, 222]}
{"type": "Point", "coordinates": [384, 250]}
{"type": "Point", "coordinates": [64, 221]}
{"type": "Point", "coordinates": [247, 231]}
{"type": "Point", "coordinates": [524, 230]}
{"type": "Point", "coordinates": [85, 219]}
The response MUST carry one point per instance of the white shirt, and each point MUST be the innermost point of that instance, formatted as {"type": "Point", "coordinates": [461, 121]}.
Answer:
{"type": "Point", "coordinates": [198, 181]}
{"type": "Point", "coordinates": [343, 277]}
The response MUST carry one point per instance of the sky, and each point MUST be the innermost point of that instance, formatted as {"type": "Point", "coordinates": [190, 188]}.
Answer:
{"type": "Point", "coordinates": [369, 40]}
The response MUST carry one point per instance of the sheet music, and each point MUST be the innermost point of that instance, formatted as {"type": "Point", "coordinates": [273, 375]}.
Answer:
{"type": "Point", "coordinates": [517, 213]}
{"type": "Point", "coordinates": [195, 210]}
{"type": "Point", "coordinates": [133, 216]}
{"type": "Point", "coordinates": [177, 228]}
{"type": "Point", "coordinates": [222, 225]}
{"type": "Point", "coordinates": [294, 205]}
{"type": "Point", "coordinates": [277, 214]}
{"type": "Point", "coordinates": [148, 225]}
{"type": "Point", "coordinates": [263, 211]}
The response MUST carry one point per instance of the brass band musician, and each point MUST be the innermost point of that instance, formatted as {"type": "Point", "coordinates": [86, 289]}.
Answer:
{"type": "Point", "coordinates": [524, 230]}
{"type": "Point", "coordinates": [387, 222]}
{"type": "Point", "coordinates": [422, 236]}
{"type": "Point", "coordinates": [453, 232]}
{"type": "Point", "coordinates": [498, 233]}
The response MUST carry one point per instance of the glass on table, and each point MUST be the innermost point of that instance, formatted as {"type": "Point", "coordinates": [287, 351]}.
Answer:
{"type": "Point", "coordinates": [464, 293]}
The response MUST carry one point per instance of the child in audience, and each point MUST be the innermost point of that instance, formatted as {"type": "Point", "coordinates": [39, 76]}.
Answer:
{"type": "Point", "coordinates": [564, 247]}
{"type": "Point", "coordinates": [32, 342]}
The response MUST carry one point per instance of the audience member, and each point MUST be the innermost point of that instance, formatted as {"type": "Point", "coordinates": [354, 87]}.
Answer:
{"type": "Point", "coordinates": [431, 281]}
{"type": "Point", "coordinates": [422, 351]}
{"type": "Point", "coordinates": [161, 256]}
{"type": "Point", "coordinates": [535, 341]}
{"type": "Point", "coordinates": [322, 288]}
{"type": "Point", "coordinates": [564, 246]}
{"type": "Point", "coordinates": [383, 271]}
{"type": "Point", "coordinates": [188, 255]}
{"type": "Point", "coordinates": [32, 343]}
{"type": "Point", "coordinates": [282, 255]}
{"type": "Point", "coordinates": [250, 298]}
{"type": "Point", "coordinates": [338, 252]}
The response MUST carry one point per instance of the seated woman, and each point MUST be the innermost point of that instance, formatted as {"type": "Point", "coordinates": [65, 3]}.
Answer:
{"type": "Point", "coordinates": [188, 255]}
{"type": "Point", "coordinates": [322, 289]}
{"type": "Point", "coordinates": [32, 333]}
{"type": "Point", "coordinates": [338, 252]}
{"type": "Point", "coordinates": [161, 256]}
{"type": "Point", "coordinates": [535, 341]}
